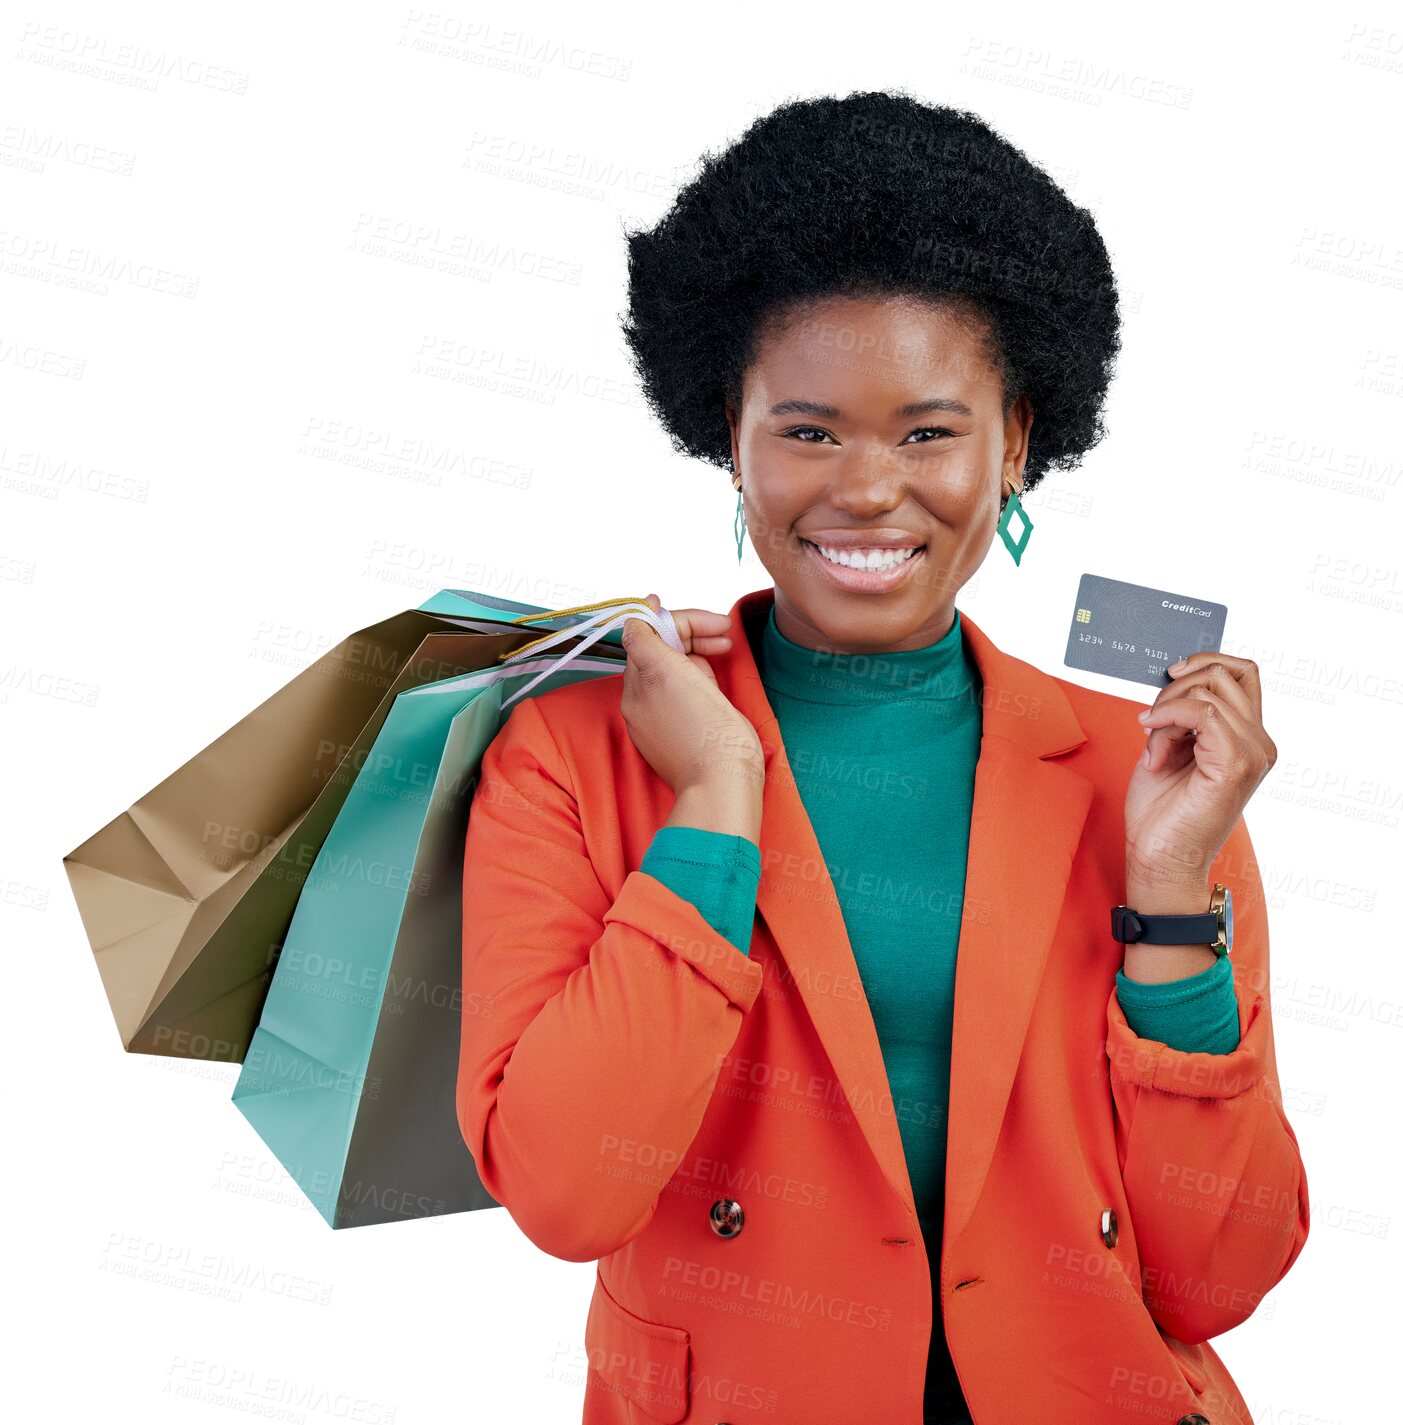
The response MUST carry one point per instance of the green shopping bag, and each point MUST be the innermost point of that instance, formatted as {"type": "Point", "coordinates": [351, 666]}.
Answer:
{"type": "Point", "coordinates": [350, 1077]}
{"type": "Point", "coordinates": [470, 607]}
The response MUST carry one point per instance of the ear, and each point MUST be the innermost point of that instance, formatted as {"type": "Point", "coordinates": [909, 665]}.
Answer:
{"type": "Point", "coordinates": [1018, 423]}
{"type": "Point", "coordinates": [733, 420]}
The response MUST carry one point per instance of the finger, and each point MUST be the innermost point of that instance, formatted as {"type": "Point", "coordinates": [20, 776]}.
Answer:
{"type": "Point", "coordinates": [636, 629]}
{"type": "Point", "coordinates": [1243, 670]}
{"type": "Point", "coordinates": [708, 644]}
{"type": "Point", "coordinates": [704, 621]}
{"type": "Point", "coordinates": [1169, 749]}
{"type": "Point", "coordinates": [702, 630]}
{"type": "Point", "coordinates": [1187, 713]}
{"type": "Point", "coordinates": [655, 604]}
{"type": "Point", "coordinates": [1218, 737]}
{"type": "Point", "coordinates": [1220, 680]}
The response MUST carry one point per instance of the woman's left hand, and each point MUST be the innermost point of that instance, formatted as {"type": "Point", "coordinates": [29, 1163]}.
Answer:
{"type": "Point", "coordinates": [1207, 753]}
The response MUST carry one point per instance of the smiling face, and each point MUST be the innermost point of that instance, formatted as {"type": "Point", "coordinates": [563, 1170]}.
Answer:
{"type": "Point", "coordinates": [874, 423]}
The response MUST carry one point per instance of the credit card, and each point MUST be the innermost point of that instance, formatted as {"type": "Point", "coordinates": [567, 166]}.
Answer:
{"type": "Point", "coordinates": [1128, 631]}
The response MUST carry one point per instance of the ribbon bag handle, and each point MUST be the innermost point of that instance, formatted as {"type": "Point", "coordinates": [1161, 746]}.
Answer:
{"type": "Point", "coordinates": [605, 615]}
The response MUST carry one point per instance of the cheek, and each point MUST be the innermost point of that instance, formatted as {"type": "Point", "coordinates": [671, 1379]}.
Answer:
{"type": "Point", "coordinates": [960, 492]}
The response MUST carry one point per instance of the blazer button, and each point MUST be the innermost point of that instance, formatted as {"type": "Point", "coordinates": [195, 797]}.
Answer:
{"type": "Point", "coordinates": [727, 1217]}
{"type": "Point", "coordinates": [1110, 1230]}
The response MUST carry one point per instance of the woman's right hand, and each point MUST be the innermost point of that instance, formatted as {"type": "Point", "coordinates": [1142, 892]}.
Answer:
{"type": "Point", "coordinates": [684, 726]}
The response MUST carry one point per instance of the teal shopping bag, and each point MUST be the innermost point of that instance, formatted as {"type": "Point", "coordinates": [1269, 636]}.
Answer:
{"type": "Point", "coordinates": [350, 1077]}
{"type": "Point", "coordinates": [472, 606]}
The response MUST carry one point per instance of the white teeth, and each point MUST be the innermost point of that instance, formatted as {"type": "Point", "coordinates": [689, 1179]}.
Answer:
{"type": "Point", "coordinates": [866, 558]}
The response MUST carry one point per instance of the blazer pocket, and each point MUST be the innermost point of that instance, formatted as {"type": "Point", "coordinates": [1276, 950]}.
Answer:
{"type": "Point", "coordinates": [640, 1360]}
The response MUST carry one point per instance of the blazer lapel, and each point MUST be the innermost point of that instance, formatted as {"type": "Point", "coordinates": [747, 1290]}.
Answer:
{"type": "Point", "coordinates": [1026, 823]}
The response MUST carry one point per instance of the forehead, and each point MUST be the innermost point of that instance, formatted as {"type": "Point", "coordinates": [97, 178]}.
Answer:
{"type": "Point", "coordinates": [860, 348]}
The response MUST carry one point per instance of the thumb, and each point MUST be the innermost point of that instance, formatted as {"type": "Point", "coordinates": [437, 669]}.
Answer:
{"type": "Point", "coordinates": [637, 629]}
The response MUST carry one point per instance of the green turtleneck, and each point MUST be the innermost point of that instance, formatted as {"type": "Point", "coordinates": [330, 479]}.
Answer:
{"type": "Point", "coordinates": [883, 748]}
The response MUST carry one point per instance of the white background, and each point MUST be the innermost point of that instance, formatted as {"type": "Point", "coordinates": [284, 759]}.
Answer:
{"type": "Point", "coordinates": [201, 492]}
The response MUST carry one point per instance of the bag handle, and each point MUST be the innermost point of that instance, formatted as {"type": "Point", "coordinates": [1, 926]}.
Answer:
{"type": "Point", "coordinates": [605, 615]}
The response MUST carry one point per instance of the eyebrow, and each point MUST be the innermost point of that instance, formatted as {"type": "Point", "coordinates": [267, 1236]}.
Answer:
{"type": "Point", "coordinates": [832, 413]}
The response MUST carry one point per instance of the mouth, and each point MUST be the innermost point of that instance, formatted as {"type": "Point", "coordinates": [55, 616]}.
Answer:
{"type": "Point", "coordinates": [865, 570]}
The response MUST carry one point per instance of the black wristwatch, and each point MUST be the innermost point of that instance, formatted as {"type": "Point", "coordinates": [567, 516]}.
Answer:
{"type": "Point", "coordinates": [1213, 927]}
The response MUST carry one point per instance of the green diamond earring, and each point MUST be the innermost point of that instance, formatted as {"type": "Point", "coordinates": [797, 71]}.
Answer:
{"type": "Point", "coordinates": [738, 525]}
{"type": "Point", "coordinates": [1015, 546]}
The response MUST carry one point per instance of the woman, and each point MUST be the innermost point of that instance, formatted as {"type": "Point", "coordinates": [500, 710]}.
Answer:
{"type": "Point", "coordinates": [790, 993]}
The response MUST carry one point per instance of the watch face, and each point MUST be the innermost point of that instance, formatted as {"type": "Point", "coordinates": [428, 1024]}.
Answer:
{"type": "Point", "coordinates": [1227, 916]}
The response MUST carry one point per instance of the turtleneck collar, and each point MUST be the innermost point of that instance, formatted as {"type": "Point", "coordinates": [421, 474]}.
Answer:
{"type": "Point", "coordinates": [940, 671]}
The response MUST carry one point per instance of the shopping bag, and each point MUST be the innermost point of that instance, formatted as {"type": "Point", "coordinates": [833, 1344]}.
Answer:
{"type": "Point", "coordinates": [350, 1077]}
{"type": "Point", "coordinates": [187, 895]}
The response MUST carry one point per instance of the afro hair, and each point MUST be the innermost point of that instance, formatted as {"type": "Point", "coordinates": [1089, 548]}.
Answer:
{"type": "Point", "coordinates": [874, 194]}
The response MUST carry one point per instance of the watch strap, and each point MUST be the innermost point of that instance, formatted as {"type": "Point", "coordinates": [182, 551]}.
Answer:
{"type": "Point", "coordinates": [1131, 927]}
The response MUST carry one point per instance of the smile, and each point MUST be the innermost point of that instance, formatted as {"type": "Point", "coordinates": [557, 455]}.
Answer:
{"type": "Point", "coordinates": [866, 570]}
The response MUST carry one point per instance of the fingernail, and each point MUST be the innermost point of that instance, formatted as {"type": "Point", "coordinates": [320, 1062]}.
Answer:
{"type": "Point", "coordinates": [1179, 666]}
{"type": "Point", "coordinates": [1143, 715]}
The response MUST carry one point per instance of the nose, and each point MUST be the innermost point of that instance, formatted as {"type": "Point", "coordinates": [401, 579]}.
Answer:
{"type": "Point", "coordinates": [867, 481]}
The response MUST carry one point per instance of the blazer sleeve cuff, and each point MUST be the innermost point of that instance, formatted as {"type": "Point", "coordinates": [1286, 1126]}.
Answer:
{"type": "Point", "coordinates": [658, 912]}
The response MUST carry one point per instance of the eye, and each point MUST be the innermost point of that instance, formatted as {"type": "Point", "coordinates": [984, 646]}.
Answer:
{"type": "Point", "coordinates": [801, 431]}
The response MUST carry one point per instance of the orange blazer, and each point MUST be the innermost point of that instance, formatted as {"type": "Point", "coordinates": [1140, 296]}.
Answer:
{"type": "Point", "coordinates": [717, 1129]}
